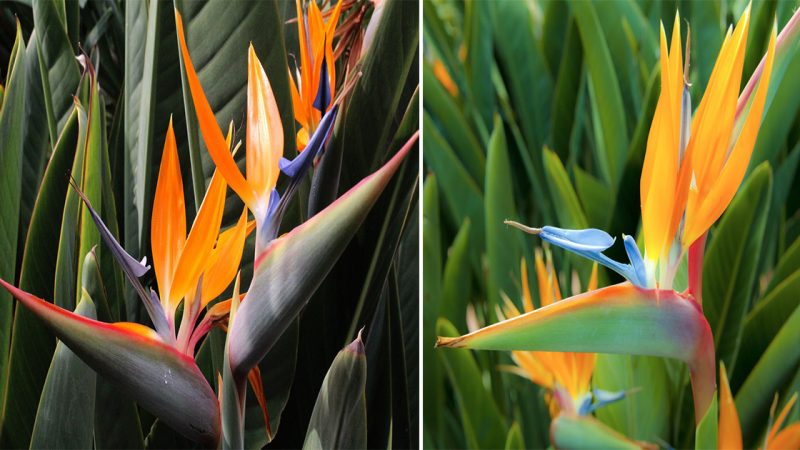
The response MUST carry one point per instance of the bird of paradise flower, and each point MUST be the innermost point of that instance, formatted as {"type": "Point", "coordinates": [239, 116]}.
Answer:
{"type": "Point", "coordinates": [693, 166]}
{"type": "Point", "coordinates": [156, 365]}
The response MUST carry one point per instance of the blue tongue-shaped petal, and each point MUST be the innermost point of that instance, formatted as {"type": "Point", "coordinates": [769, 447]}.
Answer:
{"type": "Point", "coordinates": [297, 167]}
{"type": "Point", "coordinates": [589, 243]}
{"type": "Point", "coordinates": [635, 257]}
{"type": "Point", "coordinates": [590, 239]}
{"type": "Point", "coordinates": [598, 399]}
{"type": "Point", "coordinates": [323, 98]}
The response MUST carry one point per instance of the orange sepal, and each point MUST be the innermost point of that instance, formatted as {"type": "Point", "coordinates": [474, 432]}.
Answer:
{"type": "Point", "coordinates": [729, 432]}
{"type": "Point", "coordinates": [168, 222]}
{"type": "Point", "coordinates": [776, 426]}
{"type": "Point", "coordinates": [732, 173]}
{"type": "Point", "coordinates": [264, 130]}
{"type": "Point", "coordinates": [200, 241]}
{"type": "Point", "coordinates": [212, 135]}
{"type": "Point", "coordinates": [527, 301]}
{"type": "Point", "coordinates": [254, 377]}
{"type": "Point", "coordinates": [223, 262]}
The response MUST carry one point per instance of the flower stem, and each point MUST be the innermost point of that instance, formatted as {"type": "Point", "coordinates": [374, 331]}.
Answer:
{"type": "Point", "coordinates": [696, 255]}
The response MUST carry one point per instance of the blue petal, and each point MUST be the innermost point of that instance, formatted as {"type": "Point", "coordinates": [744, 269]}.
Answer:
{"type": "Point", "coordinates": [590, 243]}
{"type": "Point", "coordinates": [274, 200]}
{"type": "Point", "coordinates": [601, 398]}
{"type": "Point", "coordinates": [132, 270]}
{"type": "Point", "coordinates": [272, 218]}
{"type": "Point", "coordinates": [585, 407]}
{"type": "Point", "coordinates": [635, 257]}
{"type": "Point", "coordinates": [590, 239]}
{"type": "Point", "coordinates": [299, 165]}
{"type": "Point", "coordinates": [323, 98]}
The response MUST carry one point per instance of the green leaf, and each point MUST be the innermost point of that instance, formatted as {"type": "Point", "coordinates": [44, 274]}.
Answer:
{"type": "Point", "coordinates": [37, 143]}
{"type": "Point", "coordinates": [596, 198]}
{"type": "Point", "coordinates": [397, 218]}
{"type": "Point", "coordinates": [611, 128]}
{"type": "Point", "coordinates": [277, 371]}
{"type": "Point", "coordinates": [279, 291]}
{"type": "Point", "coordinates": [60, 73]}
{"type": "Point", "coordinates": [430, 301]}
{"type": "Point", "coordinates": [786, 266]}
{"type": "Point", "coordinates": [12, 128]}
{"type": "Point", "coordinates": [339, 419]}
{"type": "Point", "coordinates": [514, 438]}
{"type": "Point", "coordinates": [503, 245]}
{"type": "Point", "coordinates": [776, 365]}
{"type": "Point", "coordinates": [143, 36]}
{"type": "Point", "coordinates": [783, 101]}
{"type": "Point", "coordinates": [455, 129]}
{"type": "Point", "coordinates": [463, 197]}
{"type": "Point", "coordinates": [456, 284]}
{"type": "Point", "coordinates": [482, 423]}
{"type": "Point", "coordinates": [707, 20]}
{"type": "Point", "coordinates": [567, 87]}
{"type": "Point", "coordinates": [529, 82]}
{"type": "Point", "coordinates": [633, 46]}
{"type": "Point", "coordinates": [389, 66]}
{"type": "Point", "coordinates": [27, 370]}
{"type": "Point", "coordinates": [729, 270]}
{"type": "Point", "coordinates": [570, 214]}
{"type": "Point", "coordinates": [479, 58]}
{"type": "Point", "coordinates": [65, 418]}
{"type": "Point", "coordinates": [706, 432]}
{"type": "Point", "coordinates": [764, 322]}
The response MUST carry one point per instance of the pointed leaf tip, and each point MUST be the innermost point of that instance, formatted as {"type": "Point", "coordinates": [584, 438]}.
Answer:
{"type": "Point", "coordinates": [357, 346]}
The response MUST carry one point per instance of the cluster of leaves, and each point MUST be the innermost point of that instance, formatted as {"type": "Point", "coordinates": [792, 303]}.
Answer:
{"type": "Point", "coordinates": [88, 94]}
{"type": "Point", "coordinates": [539, 113]}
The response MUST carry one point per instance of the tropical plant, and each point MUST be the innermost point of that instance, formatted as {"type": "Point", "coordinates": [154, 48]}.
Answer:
{"type": "Point", "coordinates": [287, 303]}
{"type": "Point", "coordinates": [592, 129]}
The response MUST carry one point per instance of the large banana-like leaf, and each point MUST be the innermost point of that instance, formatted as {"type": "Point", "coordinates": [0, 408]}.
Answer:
{"type": "Point", "coordinates": [12, 131]}
{"type": "Point", "coordinates": [291, 268]}
{"type": "Point", "coordinates": [27, 369]}
{"type": "Point", "coordinates": [479, 415]}
{"type": "Point", "coordinates": [38, 146]}
{"type": "Point", "coordinates": [612, 146]}
{"type": "Point", "coordinates": [60, 73]}
{"type": "Point", "coordinates": [162, 380]}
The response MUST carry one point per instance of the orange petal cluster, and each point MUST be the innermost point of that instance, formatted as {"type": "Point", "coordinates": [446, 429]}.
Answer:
{"type": "Point", "coordinates": [570, 370]}
{"type": "Point", "coordinates": [264, 146]}
{"type": "Point", "coordinates": [698, 185]}
{"type": "Point", "coordinates": [180, 260]}
{"type": "Point", "coordinates": [315, 37]}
